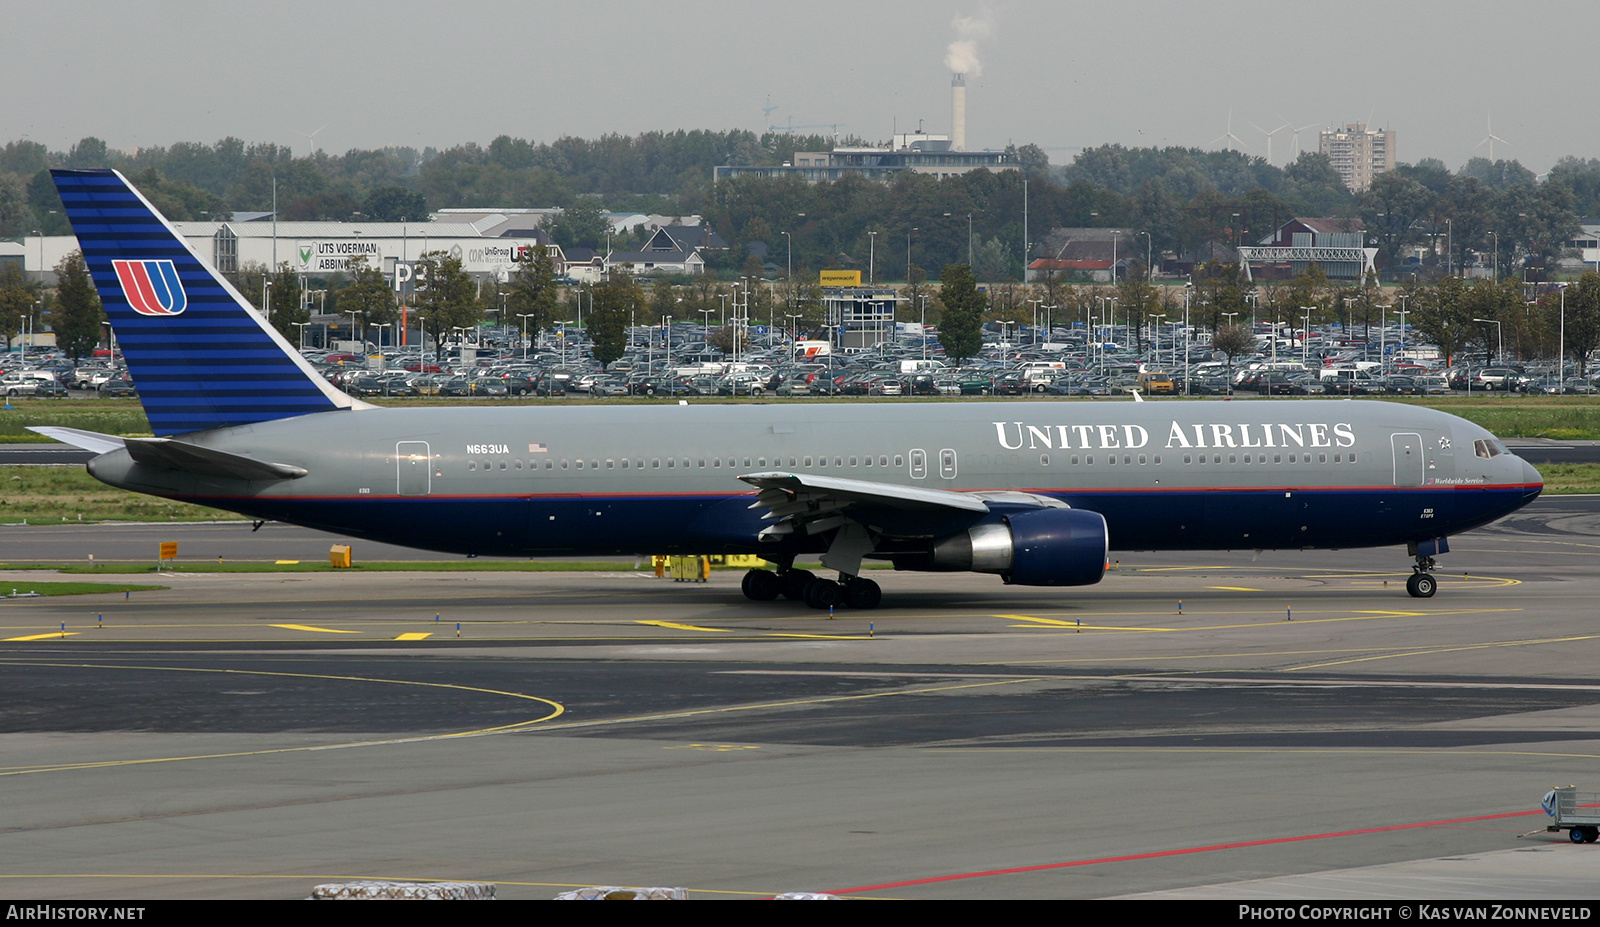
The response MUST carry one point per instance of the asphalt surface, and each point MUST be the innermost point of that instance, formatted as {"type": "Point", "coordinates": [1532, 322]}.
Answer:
{"type": "Point", "coordinates": [1297, 728]}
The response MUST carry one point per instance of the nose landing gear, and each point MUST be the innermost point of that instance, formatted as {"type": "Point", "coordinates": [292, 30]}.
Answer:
{"type": "Point", "coordinates": [1421, 584]}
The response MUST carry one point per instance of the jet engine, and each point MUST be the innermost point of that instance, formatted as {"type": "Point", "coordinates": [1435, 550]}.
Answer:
{"type": "Point", "coordinates": [1042, 547]}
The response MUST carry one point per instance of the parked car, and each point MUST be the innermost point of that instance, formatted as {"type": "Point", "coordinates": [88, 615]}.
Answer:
{"type": "Point", "coordinates": [117, 388]}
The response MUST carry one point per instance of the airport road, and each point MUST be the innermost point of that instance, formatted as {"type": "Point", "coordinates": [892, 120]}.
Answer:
{"type": "Point", "coordinates": [253, 735]}
{"type": "Point", "coordinates": [140, 542]}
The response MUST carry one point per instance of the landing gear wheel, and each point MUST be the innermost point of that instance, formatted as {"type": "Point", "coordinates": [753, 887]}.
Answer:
{"type": "Point", "coordinates": [822, 593]}
{"type": "Point", "coordinates": [761, 585]}
{"type": "Point", "coordinates": [862, 593]}
{"type": "Point", "coordinates": [1422, 585]}
{"type": "Point", "coordinates": [794, 584]}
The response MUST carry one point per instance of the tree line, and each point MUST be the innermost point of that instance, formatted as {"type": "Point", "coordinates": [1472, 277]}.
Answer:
{"type": "Point", "coordinates": [1182, 197]}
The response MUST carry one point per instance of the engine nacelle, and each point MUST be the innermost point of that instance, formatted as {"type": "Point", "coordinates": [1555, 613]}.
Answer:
{"type": "Point", "coordinates": [1041, 547]}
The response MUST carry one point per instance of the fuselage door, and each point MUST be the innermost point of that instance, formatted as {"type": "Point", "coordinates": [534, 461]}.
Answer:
{"type": "Point", "coordinates": [1408, 461]}
{"type": "Point", "coordinates": [919, 463]}
{"type": "Point", "coordinates": [413, 473]}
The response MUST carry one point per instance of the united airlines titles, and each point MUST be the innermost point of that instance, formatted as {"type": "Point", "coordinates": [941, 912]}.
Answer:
{"type": "Point", "coordinates": [1018, 435]}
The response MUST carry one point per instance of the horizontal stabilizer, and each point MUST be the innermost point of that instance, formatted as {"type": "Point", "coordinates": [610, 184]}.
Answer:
{"type": "Point", "coordinates": [207, 461]}
{"type": "Point", "coordinates": [77, 437]}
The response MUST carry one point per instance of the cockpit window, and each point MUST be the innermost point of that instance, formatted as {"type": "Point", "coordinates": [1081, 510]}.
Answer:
{"type": "Point", "coordinates": [1488, 448]}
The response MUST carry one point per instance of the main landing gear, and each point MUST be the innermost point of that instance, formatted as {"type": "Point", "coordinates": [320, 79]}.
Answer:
{"type": "Point", "coordinates": [814, 590]}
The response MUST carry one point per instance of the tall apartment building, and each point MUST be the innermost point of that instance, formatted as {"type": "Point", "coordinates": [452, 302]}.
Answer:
{"type": "Point", "coordinates": [1359, 153]}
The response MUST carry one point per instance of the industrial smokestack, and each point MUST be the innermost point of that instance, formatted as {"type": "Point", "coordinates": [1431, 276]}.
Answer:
{"type": "Point", "coordinates": [958, 112]}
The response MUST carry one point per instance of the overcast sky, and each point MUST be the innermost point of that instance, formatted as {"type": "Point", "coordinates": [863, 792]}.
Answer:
{"type": "Point", "coordinates": [1059, 75]}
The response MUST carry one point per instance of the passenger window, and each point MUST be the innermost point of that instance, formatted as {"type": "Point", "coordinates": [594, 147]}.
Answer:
{"type": "Point", "coordinates": [702, 463]}
{"type": "Point", "coordinates": [899, 461]}
{"type": "Point", "coordinates": [502, 465]}
{"type": "Point", "coordinates": [883, 461]}
{"type": "Point", "coordinates": [624, 463]}
{"type": "Point", "coordinates": [472, 465]}
{"type": "Point", "coordinates": [1089, 460]}
{"type": "Point", "coordinates": [1233, 458]}
{"type": "Point", "coordinates": [580, 463]}
{"type": "Point", "coordinates": [1187, 458]}
{"type": "Point", "coordinates": [610, 464]}
{"type": "Point", "coordinates": [852, 461]}
{"type": "Point", "coordinates": [1074, 460]}
{"type": "Point", "coordinates": [867, 460]}
{"type": "Point", "coordinates": [716, 462]}
{"type": "Point", "coordinates": [808, 461]}
{"type": "Point", "coordinates": [838, 461]}
{"type": "Point", "coordinates": [563, 463]}
{"type": "Point", "coordinates": [761, 461]}
{"type": "Point", "coordinates": [1044, 460]}
{"type": "Point", "coordinates": [1141, 460]}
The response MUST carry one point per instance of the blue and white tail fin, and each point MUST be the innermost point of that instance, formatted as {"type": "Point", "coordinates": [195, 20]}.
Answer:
{"type": "Point", "coordinates": [201, 356]}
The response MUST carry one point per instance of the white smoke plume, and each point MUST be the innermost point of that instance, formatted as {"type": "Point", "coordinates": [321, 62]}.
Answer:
{"type": "Point", "coordinates": [962, 55]}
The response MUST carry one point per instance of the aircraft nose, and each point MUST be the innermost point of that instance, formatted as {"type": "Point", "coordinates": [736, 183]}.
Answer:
{"type": "Point", "coordinates": [1531, 478]}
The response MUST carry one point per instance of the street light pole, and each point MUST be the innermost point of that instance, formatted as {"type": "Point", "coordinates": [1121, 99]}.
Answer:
{"type": "Point", "coordinates": [524, 316]}
{"type": "Point", "coordinates": [872, 257]}
{"type": "Point", "coordinates": [1500, 331]}
{"type": "Point", "coordinates": [923, 298]}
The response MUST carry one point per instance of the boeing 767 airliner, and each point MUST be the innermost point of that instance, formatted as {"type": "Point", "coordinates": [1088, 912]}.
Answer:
{"type": "Point", "coordinates": [1036, 492]}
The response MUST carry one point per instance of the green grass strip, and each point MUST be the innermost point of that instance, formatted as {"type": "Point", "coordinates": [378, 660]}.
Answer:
{"type": "Point", "coordinates": [45, 589]}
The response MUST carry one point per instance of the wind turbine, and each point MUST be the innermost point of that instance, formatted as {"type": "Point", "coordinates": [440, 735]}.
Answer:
{"type": "Point", "coordinates": [1269, 136]}
{"type": "Point", "coordinates": [311, 138]}
{"type": "Point", "coordinates": [1296, 130]}
{"type": "Point", "coordinates": [1490, 139]}
{"type": "Point", "coordinates": [1228, 136]}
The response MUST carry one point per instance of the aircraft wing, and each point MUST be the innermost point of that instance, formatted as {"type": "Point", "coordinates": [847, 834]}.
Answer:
{"type": "Point", "coordinates": [789, 493]}
{"type": "Point", "coordinates": [865, 511]}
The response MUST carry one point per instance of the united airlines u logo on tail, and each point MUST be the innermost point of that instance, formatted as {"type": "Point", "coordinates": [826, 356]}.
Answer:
{"type": "Point", "coordinates": [152, 287]}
